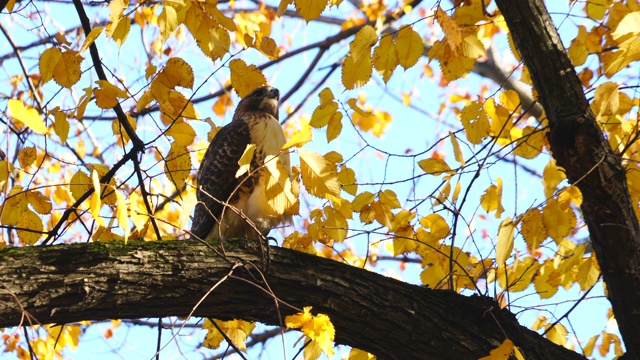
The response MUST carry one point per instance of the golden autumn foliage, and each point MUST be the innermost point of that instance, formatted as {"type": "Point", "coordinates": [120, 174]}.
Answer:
{"type": "Point", "coordinates": [402, 150]}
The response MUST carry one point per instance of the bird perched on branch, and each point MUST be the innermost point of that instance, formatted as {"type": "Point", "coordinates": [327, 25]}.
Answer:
{"type": "Point", "coordinates": [245, 203]}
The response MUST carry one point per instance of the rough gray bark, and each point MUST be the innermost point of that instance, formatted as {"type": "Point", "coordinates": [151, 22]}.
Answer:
{"type": "Point", "coordinates": [395, 320]}
{"type": "Point", "coordinates": [579, 146]}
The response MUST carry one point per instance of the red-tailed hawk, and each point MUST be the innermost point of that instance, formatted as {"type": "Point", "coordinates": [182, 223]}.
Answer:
{"type": "Point", "coordinates": [249, 213]}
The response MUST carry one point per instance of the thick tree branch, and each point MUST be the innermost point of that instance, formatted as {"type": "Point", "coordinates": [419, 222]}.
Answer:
{"type": "Point", "coordinates": [579, 146]}
{"type": "Point", "coordinates": [395, 320]}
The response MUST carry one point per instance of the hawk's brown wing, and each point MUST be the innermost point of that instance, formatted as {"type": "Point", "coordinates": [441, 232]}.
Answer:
{"type": "Point", "coordinates": [217, 175]}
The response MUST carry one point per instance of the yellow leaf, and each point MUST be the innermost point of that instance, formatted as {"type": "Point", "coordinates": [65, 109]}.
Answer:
{"type": "Point", "coordinates": [517, 277]}
{"type": "Point", "coordinates": [309, 9]}
{"type": "Point", "coordinates": [333, 157]}
{"type": "Point", "coordinates": [544, 287]}
{"type": "Point", "coordinates": [6, 168]}
{"type": "Point", "coordinates": [557, 334]}
{"type": "Point", "coordinates": [357, 67]}
{"type": "Point", "coordinates": [79, 184]}
{"type": "Point", "coordinates": [540, 321]}
{"type": "Point", "coordinates": [357, 354]}
{"type": "Point", "coordinates": [450, 28]}
{"type": "Point", "coordinates": [48, 61]}
{"type": "Point", "coordinates": [31, 221]}
{"type": "Point", "coordinates": [280, 193]}
{"type": "Point", "coordinates": [475, 122]}
{"type": "Point", "coordinates": [529, 141]}
{"type": "Point", "coordinates": [385, 57]}
{"type": "Point", "coordinates": [245, 160]}
{"type": "Point", "coordinates": [491, 200]}
{"type": "Point", "coordinates": [67, 71]}
{"type": "Point", "coordinates": [506, 232]}
{"type": "Point", "coordinates": [212, 39]}
{"type": "Point", "coordinates": [502, 352]}
{"type": "Point", "coordinates": [27, 156]}
{"type": "Point", "coordinates": [334, 128]}
{"type": "Point", "coordinates": [435, 166]}
{"type": "Point", "coordinates": [457, 153]}
{"type": "Point", "coordinates": [390, 198]}
{"type": "Point", "coordinates": [40, 203]}
{"type": "Point", "coordinates": [83, 102]}
{"type": "Point", "coordinates": [335, 224]}
{"type": "Point", "coordinates": [532, 229]}
{"type": "Point", "coordinates": [61, 126]}
{"type": "Point", "coordinates": [245, 79]}
{"type": "Point", "coordinates": [178, 165]}
{"type": "Point", "coordinates": [107, 94]}
{"type": "Point", "coordinates": [91, 38]}
{"type": "Point", "coordinates": [361, 45]}
{"type": "Point", "coordinates": [577, 51]}
{"type": "Point", "coordinates": [219, 17]}
{"type": "Point", "coordinates": [628, 27]}
{"type": "Point", "coordinates": [559, 220]}
{"type": "Point", "coordinates": [364, 198]}
{"type": "Point", "coordinates": [28, 116]}
{"type": "Point", "coordinates": [236, 330]}
{"type": "Point", "coordinates": [118, 29]}
{"type": "Point", "coordinates": [182, 133]}
{"type": "Point", "coordinates": [96, 203]}
{"type": "Point", "coordinates": [472, 47]}
{"type": "Point", "coordinates": [436, 226]}
{"type": "Point", "coordinates": [317, 328]}
{"type": "Point", "coordinates": [347, 178]}
{"type": "Point", "coordinates": [596, 9]}
{"type": "Point", "coordinates": [323, 113]}
{"type": "Point", "coordinates": [149, 71]}
{"type": "Point", "coordinates": [588, 273]}
{"type": "Point", "coordinates": [326, 96]}
{"type": "Point", "coordinates": [588, 348]}
{"type": "Point", "coordinates": [283, 7]}
{"type": "Point", "coordinates": [122, 213]}
{"type": "Point", "coordinates": [453, 64]}
{"type": "Point", "coordinates": [318, 175]}
{"type": "Point", "coordinates": [552, 175]}
{"type": "Point", "coordinates": [409, 47]}
{"type": "Point", "coordinates": [116, 7]}
{"type": "Point", "coordinates": [177, 72]}
{"type": "Point", "coordinates": [628, 51]}
{"type": "Point", "coordinates": [167, 21]}
{"type": "Point", "coordinates": [269, 47]}
{"type": "Point", "coordinates": [300, 137]}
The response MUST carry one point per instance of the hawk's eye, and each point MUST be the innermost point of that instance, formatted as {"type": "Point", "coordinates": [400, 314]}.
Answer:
{"type": "Point", "coordinates": [258, 94]}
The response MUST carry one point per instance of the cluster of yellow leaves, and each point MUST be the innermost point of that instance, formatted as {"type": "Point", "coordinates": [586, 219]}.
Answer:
{"type": "Point", "coordinates": [566, 268]}
{"type": "Point", "coordinates": [15, 211]}
{"type": "Point", "coordinates": [458, 50]}
{"type": "Point", "coordinates": [316, 328]}
{"type": "Point", "coordinates": [57, 338]}
{"type": "Point", "coordinates": [367, 119]}
{"type": "Point", "coordinates": [483, 119]}
{"type": "Point", "coordinates": [236, 330]}
{"type": "Point", "coordinates": [327, 114]}
{"type": "Point", "coordinates": [404, 49]}
{"type": "Point", "coordinates": [604, 347]}
{"type": "Point", "coordinates": [254, 29]}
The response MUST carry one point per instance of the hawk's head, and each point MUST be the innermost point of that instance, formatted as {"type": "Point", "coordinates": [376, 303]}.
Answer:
{"type": "Point", "coordinates": [263, 99]}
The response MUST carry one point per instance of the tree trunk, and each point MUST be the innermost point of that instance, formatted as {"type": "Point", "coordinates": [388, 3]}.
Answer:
{"type": "Point", "coordinates": [579, 146]}
{"type": "Point", "coordinates": [395, 320]}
